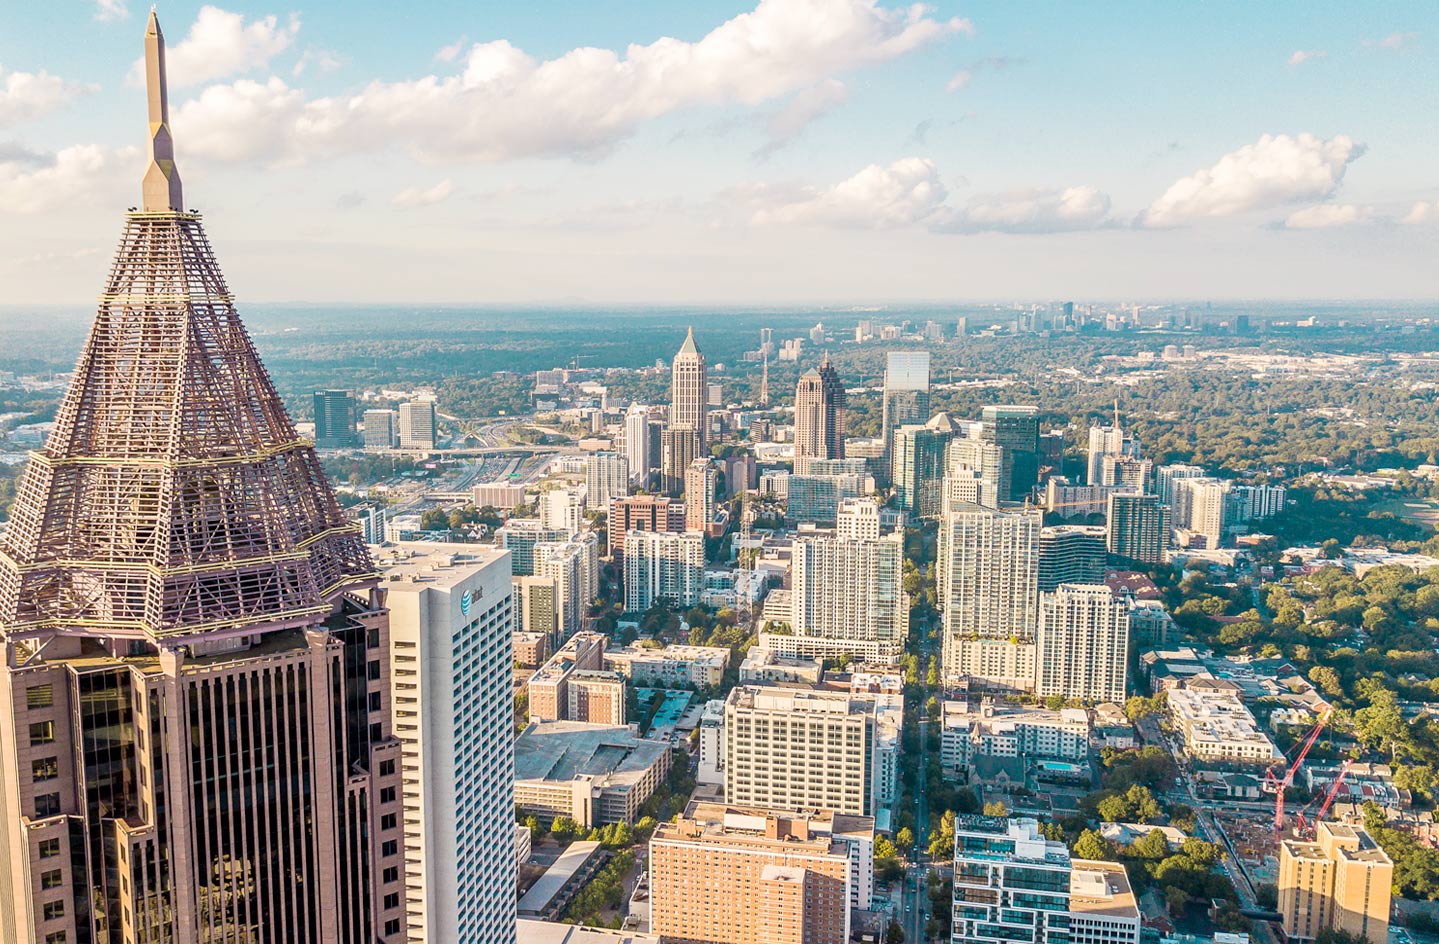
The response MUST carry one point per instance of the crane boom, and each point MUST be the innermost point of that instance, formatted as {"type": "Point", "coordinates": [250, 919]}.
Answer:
{"type": "Point", "coordinates": [1279, 786]}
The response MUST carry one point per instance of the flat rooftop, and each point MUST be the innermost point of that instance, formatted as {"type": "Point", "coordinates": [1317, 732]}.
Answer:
{"type": "Point", "coordinates": [414, 565]}
{"type": "Point", "coordinates": [564, 750]}
{"type": "Point", "coordinates": [557, 876]}
{"type": "Point", "coordinates": [1101, 889]}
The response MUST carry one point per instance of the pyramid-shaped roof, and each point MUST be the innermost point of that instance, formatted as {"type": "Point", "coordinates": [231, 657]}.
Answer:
{"type": "Point", "coordinates": [689, 347]}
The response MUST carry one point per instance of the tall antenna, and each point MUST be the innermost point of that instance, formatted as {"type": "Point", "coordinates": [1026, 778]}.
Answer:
{"type": "Point", "coordinates": [1116, 412]}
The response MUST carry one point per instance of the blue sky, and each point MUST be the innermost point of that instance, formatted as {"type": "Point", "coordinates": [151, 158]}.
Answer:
{"type": "Point", "coordinates": [772, 151]}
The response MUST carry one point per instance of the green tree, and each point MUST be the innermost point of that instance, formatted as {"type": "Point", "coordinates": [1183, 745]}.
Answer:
{"type": "Point", "coordinates": [1092, 845]}
{"type": "Point", "coordinates": [995, 808]}
{"type": "Point", "coordinates": [941, 837]}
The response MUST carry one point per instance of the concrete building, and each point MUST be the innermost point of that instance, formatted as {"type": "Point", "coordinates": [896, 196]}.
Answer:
{"type": "Point", "coordinates": [451, 622]}
{"type": "Point", "coordinates": [548, 688]}
{"type": "Point", "coordinates": [502, 496]}
{"type": "Point", "coordinates": [563, 509]}
{"type": "Point", "coordinates": [745, 875]}
{"type": "Point", "coordinates": [520, 536]}
{"type": "Point", "coordinates": [817, 497]}
{"type": "Point", "coordinates": [382, 430]}
{"type": "Point", "coordinates": [1137, 527]}
{"type": "Point", "coordinates": [596, 774]}
{"type": "Point", "coordinates": [335, 419]}
{"type": "Point", "coordinates": [988, 582]}
{"type": "Point", "coordinates": [1010, 883]}
{"type": "Point", "coordinates": [1071, 553]}
{"type": "Point", "coordinates": [906, 393]}
{"type": "Point", "coordinates": [766, 665]}
{"type": "Point", "coordinates": [642, 513]}
{"type": "Point", "coordinates": [1217, 728]}
{"type": "Point", "coordinates": [1083, 643]}
{"type": "Point", "coordinates": [711, 743]}
{"type": "Point", "coordinates": [819, 416]}
{"type": "Point", "coordinates": [798, 749]}
{"type": "Point", "coordinates": [1203, 507]}
{"type": "Point", "coordinates": [417, 425]}
{"type": "Point", "coordinates": [700, 480]}
{"type": "Point", "coordinates": [607, 476]}
{"type": "Point", "coordinates": [1126, 472]}
{"type": "Point", "coordinates": [532, 650]}
{"type": "Point", "coordinates": [1108, 442]}
{"type": "Point", "coordinates": [679, 446]}
{"type": "Point", "coordinates": [665, 565]}
{"type": "Point", "coordinates": [574, 566]}
{"type": "Point", "coordinates": [1102, 905]}
{"type": "Point", "coordinates": [1166, 476]}
{"type": "Point", "coordinates": [858, 519]}
{"type": "Point", "coordinates": [981, 468]}
{"type": "Point", "coordinates": [689, 394]}
{"type": "Point", "coordinates": [847, 597]}
{"type": "Point", "coordinates": [672, 666]}
{"type": "Point", "coordinates": [637, 444]}
{"type": "Point", "coordinates": [971, 731]}
{"type": "Point", "coordinates": [1341, 881]}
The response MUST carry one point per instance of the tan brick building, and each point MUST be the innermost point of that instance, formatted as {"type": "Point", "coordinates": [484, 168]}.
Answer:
{"type": "Point", "coordinates": [1342, 880]}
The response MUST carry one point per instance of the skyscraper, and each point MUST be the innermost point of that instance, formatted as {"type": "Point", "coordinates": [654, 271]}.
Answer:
{"type": "Point", "coordinates": [1083, 643]}
{"type": "Point", "coordinates": [917, 468]}
{"type": "Point", "coordinates": [334, 419]}
{"type": "Point", "coordinates": [1137, 527]}
{"type": "Point", "coordinates": [1108, 441]}
{"type": "Point", "coordinates": [819, 416]}
{"type": "Point", "coordinates": [202, 751]}
{"type": "Point", "coordinates": [848, 595]}
{"type": "Point", "coordinates": [1071, 553]}
{"type": "Point", "coordinates": [382, 430]}
{"type": "Point", "coordinates": [700, 480]}
{"type": "Point", "coordinates": [637, 444]}
{"type": "Point", "coordinates": [689, 392]}
{"type": "Point", "coordinates": [906, 392]}
{"type": "Point", "coordinates": [417, 425]}
{"type": "Point", "coordinates": [679, 446]}
{"type": "Point", "coordinates": [1016, 429]}
{"type": "Point", "coordinates": [607, 476]}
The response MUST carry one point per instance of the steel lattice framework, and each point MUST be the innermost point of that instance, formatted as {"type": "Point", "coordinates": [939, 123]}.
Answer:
{"type": "Point", "coordinates": [173, 496]}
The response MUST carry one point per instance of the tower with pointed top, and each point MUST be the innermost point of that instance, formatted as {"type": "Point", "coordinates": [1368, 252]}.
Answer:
{"type": "Point", "coordinates": [819, 416]}
{"type": "Point", "coordinates": [195, 737]}
{"type": "Point", "coordinates": [689, 392]}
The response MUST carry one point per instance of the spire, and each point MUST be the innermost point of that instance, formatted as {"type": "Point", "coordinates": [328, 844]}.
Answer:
{"type": "Point", "coordinates": [689, 347]}
{"type": "Point", "coordinates": [162, 178]}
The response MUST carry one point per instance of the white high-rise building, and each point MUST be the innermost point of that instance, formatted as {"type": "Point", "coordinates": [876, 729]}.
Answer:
{"type": "Point", "coordinates": [689, 392]}
{"type": "Point", "coordinates": [563, 509]}
{"type": "Point", "coordinates": [987, 571]}
{"type": "Point", "coordinates": [417, 424]}
{"type": "Point", "coordinates": [847, 597]}
{"type": "Point", "coordinates": [1166, 476]}
{"type": "Point", "coordinates": [1107, 441]}
{"type": "Point", "coordinates": [1083, 643]}
{"type": "Point", "coordinates": [667, 564]}
{"type": "Point", "coordinates": [451, 681]}
{"type": "Point", "coordinates": [1204, 506]}
{"type": "Point", "coordinates": [858, 519]}
{"type": "Point", "coordinates": [382, 430]}
{"type": "Point", "coordinates": [607, 475]}
{"type": "Point", "coordinates": [574, 567]}
{"type": "Point", "coordinates": [637, 443]}
{"type": "Point", "coordinates": [979, 468]}
{"type": "Point", "coordinates": [711, 765]}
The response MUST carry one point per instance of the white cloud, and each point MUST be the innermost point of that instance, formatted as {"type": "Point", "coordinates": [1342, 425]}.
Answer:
{"type": "Point", "coordinates": [111, 9]}
{"type": "Point", "coordinates": [504, 104]}
{"type": "Point", "coordinates": [1301, 56]}
{"type": "Point", "coordinates": [26, 95]}
{"type": "Point", "coordinates": [221, 44]}
{"type": "Point", "coordinates": [905, 192]}
{"type": "Point", "coordinates": [1277, 170]}
{"type": "Point", "coordinates": [807, 106]}
{"type": "Point", "coordinates": [75, 175]}
{"type": "Point", "coordinates": [415, 197]}
{"type": "Point", "coordinates": [322, 60]}
{"type": "Point", "coordinates": [1422, 212]}
{"type": "Point", "coordinates": [960, 81]}
{"type": "Point", "coordinates": [1394, 41]}
{"type": "Point", "coordinates": [1328, 216]}
{"type": "Point", "coordinates": [1037, 210]}
{"type": "Point", "coordinates": [451, 52]}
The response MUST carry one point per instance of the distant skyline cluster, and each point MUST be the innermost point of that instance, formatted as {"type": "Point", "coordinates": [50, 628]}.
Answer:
{"type": "Point", "coordinates": [770, 151]}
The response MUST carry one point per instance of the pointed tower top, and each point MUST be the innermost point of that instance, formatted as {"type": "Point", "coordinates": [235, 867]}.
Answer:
{"type": "Point", "coordinates": [162, 179]}
{"type": "Point", "coordinates": [689, 347]}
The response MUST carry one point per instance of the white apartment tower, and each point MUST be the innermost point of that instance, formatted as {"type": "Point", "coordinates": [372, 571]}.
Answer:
{"type": "Point", "coordinates": [858, 519]}
{"type": "Point", "coordinates": [417, 424]}
{"type": "Point", "coordinates": [637, 443]}
{"type": "Point", "coordinates": [666, 564]}
{"type": "Point", "coordinates": [451, 680]}
{"type": "Point", "coordinates": [1083, 643]}
{"type": "Point", "coordinates": [607, 475]}
{"type": "Point", "coordinates": [847, 597]}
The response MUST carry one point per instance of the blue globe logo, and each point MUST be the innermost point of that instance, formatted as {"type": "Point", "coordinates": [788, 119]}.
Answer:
{"type": "Point", "coordinates": [466, 599]}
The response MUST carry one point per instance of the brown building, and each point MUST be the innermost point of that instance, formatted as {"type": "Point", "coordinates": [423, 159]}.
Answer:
{"type": "Point", "coordinates": [1341, 880]}
{"type": "Point", "coordinates": [642, 513]}
{"type": "Point", "coordinates": [194, 706]}
{"type": "Point", "coordinates": [531, 649]}
{"type": "Point", "coordinates": [738, 875]}
{"type": "Point", "coordinates": [596, 697]}
{"type": "Point", "coordinates": [549, 692]}
{"type": "Point", "coordinates": [819, 416]}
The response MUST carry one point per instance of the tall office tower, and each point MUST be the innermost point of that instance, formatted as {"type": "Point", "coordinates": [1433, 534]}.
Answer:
{"type": "Point", "coordinates": [1016, 429]}
{"type": "Point", "coordinates": [637, 444]}
{"type": "Point", "coordinates": [574, 566]}
{"type": "Point", "coordinates": [417, 424]}
{"type": "Point", "coordinates": [563, 509]}
{"type": "Point", "coordinates": [1125, 472]}
{"type": "Point", "coordinates": [1206, 507]}
{"type": "Point", "coordinates": [451, 681]}
{"type": "Point", "coordinates": [701, 478]}
{"type": "Point", "coordinates": [1110, 441]}
{"type": "Point", "coordinates": [819, 416]}
{"type": "Point", "coordinates": [1083, 643]}
{"type": "Point", "coordinates": [906, 392]}
{"type": "Point", "coordinates": [689, 392]}
{"type": "Point", "coordinates": [984, 462]}
{"type": "Point", "coordinates": [744, 875]}
{"type": "Point", "coordinates": [1166, 476]}
{"type": "Point", "coordinates": [1071, 553]}
{"type": "Point", "coordinates": [679, 446]}
{"type": "Point", "coordinates": [740, 474]}
{"type": "Point", "coordinates": [382, 430]}
{"type": "Point", "coordinates": [988, 576]}
{"type": "Point", "coordinates": [642, 513]}
{"type": "Point", "coordinates": [537, 606]}
{"type": "Point", "coordinates": [607, 476]}
{"type": "Point", "coordinates": [1341, 881]}
{"type": "Point", "coordinates": [858, 519]}
{"type": "Point", "coordinates": [657, 430]}
{"type": "Point", "coordinates": [917, 467]}
{"type": "Point", "coordinates": [520, 536]}
{"type": "Point", "coordinates": [847, 597]}
{"type": "Point", "coordinates": [1010, 883]}
{"type": "Point", "coordinates": [195, 728]}
{"type": "Point", "coordinates": [1137, 527]}
{"type": "Point", "coordinates": [659, 564]}
{"type": "Point", "coordinates": [801, 749]}
{"type": "Point", "coordinates": [334, 419]}
{"type": "Point", "coordinates": [818, 497]}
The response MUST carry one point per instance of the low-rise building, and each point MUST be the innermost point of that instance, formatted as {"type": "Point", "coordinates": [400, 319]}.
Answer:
{"type": "Point", "coordinates": [1032, 734]}
{"type": "Point", "coordinates": [593, 773]}
{"type": "Point", "coordinates": [531, 649]}
{"type": "Point", "coordinates": [767, 665]}
{"type": "Point", "coordinates": [596, 697]}
{"type": "Point", "coordinates": [670, 667]}
{"type": "Point", "coordinates": [1102, 906]}
{"type": "Point", "coordinates": [1217, 728]}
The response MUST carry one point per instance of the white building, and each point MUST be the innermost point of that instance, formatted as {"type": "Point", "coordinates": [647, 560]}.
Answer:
{"type": "Point", "coordinates": [451, 683]}
{"type": "Point", "coordinates": [607, 475]}
{"type": "Point", "coordinates": [711, 764]}
{"type": "Point", "coordinates": [637, 443]}
{"type": "Point", "coordinates": [1031, 734]}
{"type": "Point", "coordinates": [563, 509]}
{"type": "Point", "coordinates": [668, 564]}
{"type": "Point", "coordinates": [417, 425]}
{"type": "Point", "coordinates": [670, 667]}
{"type": "Point", "coordinates": [1010, 883]}
{"type": "Point", "coordinates": [574, 567]}
{"type": "Point", "coordinates": [1102, 906]}
{"type": "Point", "coordinates": [1216, 727]}
{"type": "Point", "coordinates": [1083, 643]}
{"type": "Point", "coordinates": [858, 519]}
{"type": "Point", "coordinates": [847, 597]}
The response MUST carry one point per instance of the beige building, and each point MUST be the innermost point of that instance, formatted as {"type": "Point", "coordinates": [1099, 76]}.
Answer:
{"type": "Point", "coordinates": [700, 480]}
{"type": "Point", "coordinates": [1083, 643]}
{"type": "Point", "coordinates": [593, 773]}
{"type": "Point", "coordinates": [1102, 906]}
{"type": "Point", "coordinates": [531, 649]}
{"type": "Point", "coordinates": [1217, 728]}
{"type": "Point", "coordinates": [1342, 880]}
{"type": "Point", "coordinates": [743, 875]}
{"type": "Point", "coordinates": [597, 697]}
{"type": "Point", "coordinates": [689, 393]}
{"type": "Point", "coordinates": [700, 666]}
{"type": "Point", "coordinates": [549, 693]}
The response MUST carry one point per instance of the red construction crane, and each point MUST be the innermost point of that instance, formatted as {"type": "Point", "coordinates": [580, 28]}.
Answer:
{"type": "Point", "coordinates": [1272, 782]}
{"type": "Point", "coordinates": [1302, 826]}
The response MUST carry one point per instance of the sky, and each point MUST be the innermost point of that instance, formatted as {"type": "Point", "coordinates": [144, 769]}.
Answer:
{"type": "Point", "coordinates": [760, 152]}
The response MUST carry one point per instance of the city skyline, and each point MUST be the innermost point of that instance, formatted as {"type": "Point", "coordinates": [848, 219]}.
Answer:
{"type": "Point", "coordinates": [1004, 151]}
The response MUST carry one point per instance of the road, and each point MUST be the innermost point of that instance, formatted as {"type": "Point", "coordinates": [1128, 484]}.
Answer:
{"type": "Point", "coordinates": [915, 919]}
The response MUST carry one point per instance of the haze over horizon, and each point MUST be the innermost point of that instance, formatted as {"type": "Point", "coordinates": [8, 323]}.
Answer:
{"type": "Point", "coordinates": [770, 153]}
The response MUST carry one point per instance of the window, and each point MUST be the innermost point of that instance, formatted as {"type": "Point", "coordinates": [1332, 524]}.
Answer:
{"type": "Point", "coordinates": [374, 701]}
{"type": "Point", "coordinates": [40, 696]}
{"type": "Point", "coordinates": [55, 937]}
{"type": "Point", "coordinates": [54, 909]}
{"type": "Point", "coordinates": [391, 874]}
{"type": "Point", "coordinates": [51, 879]}
{"type": "Point", "coordinates": [388, 821]}
{"type": "Point", "coordinates": [47, 804]}
{"type": "Point", "coordinates": [392, 900]}
{"type": "Point", "coordinates": [390, 847]}
{"type": "Point", "coordinates": [392, 927]}
{"type": "Point", "coordinates": [387, 768]}
{"type": "Point", "coordinates": [372, 638]}
{"type": "Point", "coordinates": [44, 768]}
{"type": "Point", "coordinates": [42, 732]}
{"type": "Point", "coordinates": [374, 670]}
{"type": "Point", "coordinates": [49, 848]}
{"type": "Point", "coordinates": [376, 732]}
{"type": "Point", "coordinates": [387, 795]}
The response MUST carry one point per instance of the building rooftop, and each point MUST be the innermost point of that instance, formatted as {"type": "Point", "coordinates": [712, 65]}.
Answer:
{"type": "Point", "coordinates": [557, 876]}
{"type": "Point", "coordinates": [532, 931]}
{"type": "Point", "coordinates": [565, 750]}
{"type": "Point", "coordinates": [415, 565]}
{"type": "Point", "coordinates": [720, 823]}
{"type": "Point", "coordinates": [1101, 888]}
